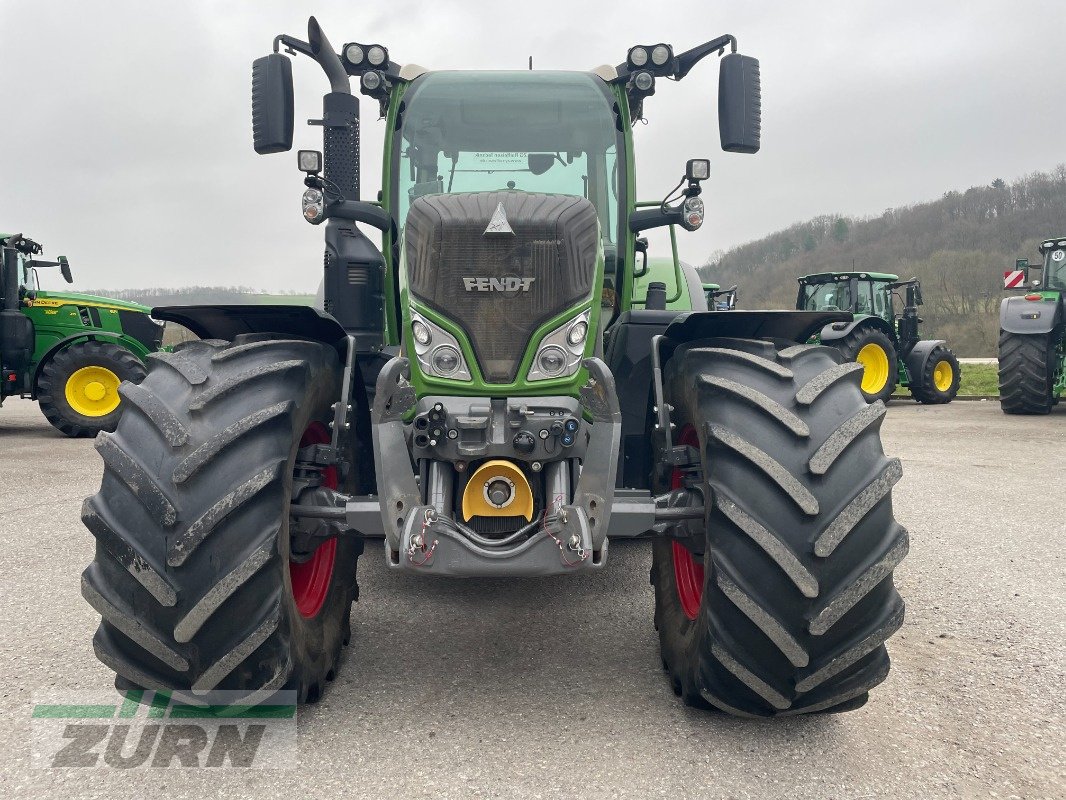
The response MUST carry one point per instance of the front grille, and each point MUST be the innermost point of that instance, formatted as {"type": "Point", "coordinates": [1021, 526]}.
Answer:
{"type": "Point", "coordinates": [554, 248]}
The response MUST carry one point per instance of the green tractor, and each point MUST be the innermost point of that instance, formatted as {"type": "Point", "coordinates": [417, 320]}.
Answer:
{"type": "Point", "coordinates": [1032, 334]}
{"type": "Point", "coordinates": [466, 400]}
{"type": "Point", "coordinates": [719, 299]}
{"type": "Point", "coordinates": [887, 345]}
{"type": "Point", "coordinates": [70, 352]}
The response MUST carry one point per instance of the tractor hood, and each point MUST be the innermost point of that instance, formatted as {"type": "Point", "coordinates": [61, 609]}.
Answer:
{"type": "Point", "coordinates": [45, 299]}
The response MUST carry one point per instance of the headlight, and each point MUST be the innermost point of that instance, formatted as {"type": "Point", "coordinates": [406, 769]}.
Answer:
{"type": "Point", "coordinates": [420, 331]}
{"type": "Point", "coordinates": [438, 352]}
{"type": "Point", "coordinates": [660, 54]}
{"type": "Point", "coordinates": [577, 333]}
{"type": "Point", "coordinates": [354, 54]}
{"type": "Point", "coordinates": [552, 360]}
{"type": "Point", "coordinates": [376, 55]}
{"type": "Point", "coordinates": [313, 205]}
{"type": "Point", "coordinates": [638, 56]}
{"type": "Point", "coordinates": [692, 212]}
{"type": "Point", "coordinates": [446, 360]}
{"type": "Point", "coordinates": [560, 352]}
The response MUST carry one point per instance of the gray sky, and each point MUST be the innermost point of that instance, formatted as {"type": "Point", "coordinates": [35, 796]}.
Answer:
{"type": "Point", "coordinates": [126, 126]}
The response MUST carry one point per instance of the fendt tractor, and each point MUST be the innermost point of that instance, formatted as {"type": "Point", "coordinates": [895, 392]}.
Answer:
{"type": "Point", "coordinates": [1032, 334]}
{"type": "Point", "coordinates": [466, 398]}
{"type": "Point", "coordinates": [69, 352]}
{"type": "Point", "coordinates": [889, 346]}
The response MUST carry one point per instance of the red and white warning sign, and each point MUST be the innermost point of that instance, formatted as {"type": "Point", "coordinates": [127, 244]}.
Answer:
{"type": "Point", "coordinates": [1013, 278]}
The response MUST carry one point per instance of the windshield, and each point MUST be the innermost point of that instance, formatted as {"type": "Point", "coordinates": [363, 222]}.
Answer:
{"type": "Point", "coordinates": [835, 296]}
{"type": "Point", "coordinates": [1055, 269]}
{"type": "Point", "coordinates": [551, 132]}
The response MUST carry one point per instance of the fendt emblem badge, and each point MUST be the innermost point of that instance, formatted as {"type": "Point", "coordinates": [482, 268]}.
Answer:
{"type": "Point", "coordinates": [498, 225]}
{"type": "Point", "coordinates": [508, 283]}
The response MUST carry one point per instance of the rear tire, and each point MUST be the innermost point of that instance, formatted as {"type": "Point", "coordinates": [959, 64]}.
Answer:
{"type": "Point", "coordinates": [192, 574]}
{"type": "Point", "coordinates": [61, 389]}
{"type": "Point", "coordinates": [1026, 372]}
{"type": "Point", "coordinates": [798, 546]}
{"type": "Point", "coordinates": [877, 352]}
{"type": "Point", "coordinates": [939, 381]}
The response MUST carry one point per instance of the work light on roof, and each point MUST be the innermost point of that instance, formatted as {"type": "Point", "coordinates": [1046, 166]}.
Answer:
{"type": "Point", "coordinates": [638, 56]}
{"type": "Point", "coordinates": [354, 54]}
{"type": "Point", "coordinates": [376, 55]}
{"type": "Point", "coordinates": [661, 54]}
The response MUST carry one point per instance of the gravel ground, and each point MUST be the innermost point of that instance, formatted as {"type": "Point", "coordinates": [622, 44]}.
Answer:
{"type": "Point", "coordinates": [553, 687]}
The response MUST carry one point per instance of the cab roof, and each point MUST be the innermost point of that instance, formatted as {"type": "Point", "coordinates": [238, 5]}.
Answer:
{"type": "Point", "coordinates": [831, 277]}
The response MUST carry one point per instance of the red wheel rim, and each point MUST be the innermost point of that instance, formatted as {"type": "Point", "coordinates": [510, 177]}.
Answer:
{"type": "Point", "coordinates": [311, 579]}
{"type": "Point", "coordinates": [688, 572]}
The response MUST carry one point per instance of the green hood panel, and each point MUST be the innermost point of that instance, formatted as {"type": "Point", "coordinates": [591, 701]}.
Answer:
{"type": "Point", "coordinates": [59, 299]}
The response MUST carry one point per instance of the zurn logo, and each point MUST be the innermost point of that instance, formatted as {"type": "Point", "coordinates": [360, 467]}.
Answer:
{"type": "Point", "coordinates": [508, 283]}
{"type": "Point", "coordinates": [154, 730]}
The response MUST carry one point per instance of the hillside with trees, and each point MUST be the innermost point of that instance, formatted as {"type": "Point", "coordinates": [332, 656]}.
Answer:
{"type": "Point", "coordinates": [204, 295]}
{"type": "Point", "coordinates": [958, 246]}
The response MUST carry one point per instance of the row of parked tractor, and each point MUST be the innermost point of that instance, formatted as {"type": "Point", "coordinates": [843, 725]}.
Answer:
{"type": "Point", "coordinates": [71, 351]}
{"type": "Point", "coordinates": [884, 334]}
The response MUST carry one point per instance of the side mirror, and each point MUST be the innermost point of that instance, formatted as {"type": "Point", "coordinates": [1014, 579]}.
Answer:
{"type": "Point", "coordinates": [739, 104]}
{"type": "Point", "coordinates": [272, 104]}
{"type": "Point", "coordinates": [64, 269]}
{"type": "Point", "coordinates": [539, 163]}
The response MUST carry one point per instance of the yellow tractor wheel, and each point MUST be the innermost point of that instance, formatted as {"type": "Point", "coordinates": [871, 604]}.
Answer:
{"type": "Point", "coordinates": [939, 379]}
{"type": "Point", "coordinates": [876, 351]}
{"type": "Point", "coordinates": [78, 388]}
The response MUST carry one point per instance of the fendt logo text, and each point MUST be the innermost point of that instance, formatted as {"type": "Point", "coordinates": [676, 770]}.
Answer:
{"type": "Point", "coordinates": [509, 283]}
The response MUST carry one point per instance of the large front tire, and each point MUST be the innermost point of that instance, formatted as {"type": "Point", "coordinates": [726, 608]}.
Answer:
{"type": "Point", "coordinates": [192, 574]}
{"type": "Point", "coordinates": [781, 599]}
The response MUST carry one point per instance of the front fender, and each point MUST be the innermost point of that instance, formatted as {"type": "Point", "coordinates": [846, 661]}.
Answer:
{"type": "Point", "coordinates": [918, 357]}
{"type": "Point", "coordinates": [227, 321]}
{"type": "Point", "coordinates": [1018, 315]}
{"type": "Point", "coordinates": [799, 326]}
{"type": "Point", "coordinates": [87, 336]}
{"type": "Point", "coordinates": [841, 330]}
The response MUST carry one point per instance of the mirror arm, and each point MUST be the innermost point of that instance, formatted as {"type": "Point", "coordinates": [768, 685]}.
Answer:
{"type": "Point", "coordinates": [687, 60]}
{"type": "Point", "coordinates": [293, 45]}
{"type": "Point", "coordinates": [358, 211]}
{"type": "Point", "coordinates": [647, 218]}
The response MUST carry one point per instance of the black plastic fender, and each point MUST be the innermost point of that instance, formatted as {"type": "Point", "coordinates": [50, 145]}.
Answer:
{"type": "Point", "coordinates": [1018, 315]}
{"type": "Point", "coordinates": [628, 355]}
{"type": "Point", "coordinates": [840, 330]}
{"type": "Point", "coordinates": [227, 321]}
{"type": "Point", "coordinates": [88, 336]}
{"type": "Point", "coordinates": [798, 326]}
{"type": "Point", "coordinates": [919, 355]}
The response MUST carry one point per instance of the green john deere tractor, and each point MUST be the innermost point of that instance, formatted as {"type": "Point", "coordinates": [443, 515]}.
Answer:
{"type": "Point", "coordinates": [1032, 335]}
{"type": "Point", "coordinates": [466, 400]}
{"type": "Point", "coordinates": [887, 345]}
{"type": "Point", "coordinates": [70, 352]}
{"type": "Point", "coordinates": [719, 299]}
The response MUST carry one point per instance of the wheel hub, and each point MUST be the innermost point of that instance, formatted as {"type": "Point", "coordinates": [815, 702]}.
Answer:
{"type": "Point", "coordinates": [943, 375]}
{"type": "Point", "coordinates": [688, 570]}
{"type": "Point", "coordinates": [874, 360]}
{"type": "Point", "coordinates": [92, 391]}
{"type": "Point", "coordinates": [310, 579]}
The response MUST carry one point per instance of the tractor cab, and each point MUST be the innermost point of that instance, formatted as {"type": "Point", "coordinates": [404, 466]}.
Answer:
{"type": "Point", "coordinates": [866, 293]}
{"type": "Point", "coordinates": [1054, 268]}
